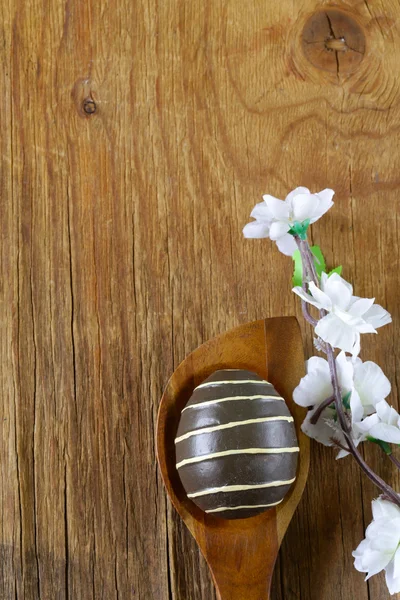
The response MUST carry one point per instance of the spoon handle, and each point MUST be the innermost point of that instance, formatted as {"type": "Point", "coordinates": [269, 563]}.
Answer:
{"type": "Point", "coordinates": [242, 559]}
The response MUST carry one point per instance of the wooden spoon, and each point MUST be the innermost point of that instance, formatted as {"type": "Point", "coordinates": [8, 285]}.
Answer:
{"type": "Point", "coordinates": [241, 553]}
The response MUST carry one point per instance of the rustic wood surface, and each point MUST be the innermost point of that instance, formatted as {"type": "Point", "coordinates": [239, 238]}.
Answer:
{"type": "Point", "coordinates": [135, 139]}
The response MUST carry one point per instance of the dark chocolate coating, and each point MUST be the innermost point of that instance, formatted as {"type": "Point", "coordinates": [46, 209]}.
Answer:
{"type": "Point", "coordinates": [225, 462]}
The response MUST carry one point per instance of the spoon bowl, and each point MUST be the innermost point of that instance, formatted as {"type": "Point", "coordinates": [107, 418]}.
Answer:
{"type": "Point", "coordinates": [241, 553]}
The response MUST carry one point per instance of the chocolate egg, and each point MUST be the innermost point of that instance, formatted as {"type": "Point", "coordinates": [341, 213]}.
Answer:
{"type": "Point", "coordinates": [236, 445]}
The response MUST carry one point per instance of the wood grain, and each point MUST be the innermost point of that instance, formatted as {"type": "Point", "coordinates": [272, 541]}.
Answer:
{"type": "Point", "coordinates": [135, 139]}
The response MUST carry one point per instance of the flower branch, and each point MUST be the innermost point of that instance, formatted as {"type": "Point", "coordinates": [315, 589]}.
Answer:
{"type": "Point", "coordinates": [306, 313]}
{"type": "Point", "coordinates": [320, 409]}
{"type": "Point", "coordinates": [347, 396]}
{"type": "Point", "coordinates": [344, 425]}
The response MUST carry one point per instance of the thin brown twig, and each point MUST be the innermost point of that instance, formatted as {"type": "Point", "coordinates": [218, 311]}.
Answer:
{"type": "Point", "coordinates": [306, 313]}
{"type": "Point", "coordinates": [320, 409]}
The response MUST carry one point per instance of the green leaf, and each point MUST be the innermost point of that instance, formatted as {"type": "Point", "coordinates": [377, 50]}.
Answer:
{"type": "Point", "coordinates": [319, 260]}
{"type": "Point", "coordinates": [384, 445]}
{"type": "Point", "coordinates": [337, 270]}
{"type": "Point", "coordinates": [346, 400]}
{"type": "Point", "coordinates": [298, 269]}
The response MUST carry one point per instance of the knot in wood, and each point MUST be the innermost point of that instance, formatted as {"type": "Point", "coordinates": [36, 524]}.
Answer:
{"type": "Point", "coordinates": [336, 44]}
{"type": "Point", "coordinates": [89, 106]}
{"type": "Point", "coordinates": [334, 41]}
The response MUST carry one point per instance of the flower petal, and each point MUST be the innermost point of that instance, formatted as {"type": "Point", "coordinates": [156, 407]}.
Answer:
{"type": "Point", "coordinates": [337, 333]}
{"type": "Point", "coordinates": [287, 245]}
{"type": "Point", "coordinates": [304, 206]}
{"type": "Point", "coordinates": [377, 316]}
{"type": "Point", "coordinates": [338, 291]}
{"type": "Point", "coordinates": [387, 413]}
{"type": "Point", "coordinates": [295, 192]}
{"type": "Point", "coordinates": [323, 299]}
{"type": "Point", "coordinates": [333, 280]}
{"type": "Point", "coordinates": [384, 535]}
{"type": "Point", "coordinates": [371, 383]}
{"type": "Point", "coordinates": [381, 528]}
{"type": "Point", "coordinates": [357, 323]}
{"type": "Point", "coordinates": [345, 369]}
{"type": "Point", "coordinates": [358, 554]}
{"type": "Point", "coordinates": [278, 208]}
{"type": "Point", "coordinates": [392, 582]}
{"type": "Point", "coordinates": [324, 279]}
{"type": "Point", "coordinates": [357, 345]}
{"type": "Point", "coordinates": [342, 454]}
{"type": "Point", "coordinates": [359, 306]}
{"type": "Point", "coordinates": [325, 197]}
{"type": "Point", "coordinates": [384, 508]}
{"type": "Point", "coordinates": [306, 297]}
{"type": "Point", "coordinates": [262, 213]}
{"type": "Point", "coordinates": [366, 424]}
{"type": "Point", "coordinates": [375, 561]}
{"type": "Point", "coordinates": [396, 564]}
{"type": "Point", "coordinates": [316, 386]}
{"type": "Point", "coordinates": [386, 433]}
{"type": "Point", "coordinates": [357, 409]}
{"type": "Point", "coordinates": [256, 230]}
{"type": "Point", "coordinates": [357, 439]}
{"type": "Point", "coordinates": [317, 363]}
{"type": "Point", "coordinates": [324, 430]}
{"type": "Point", "coordinates": [278, 229]}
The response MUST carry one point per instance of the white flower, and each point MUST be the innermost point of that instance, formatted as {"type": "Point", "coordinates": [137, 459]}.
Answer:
{"type": "Point", "coordinates": [348, 316]}
{"type": "Point", "coordinates": [381, 547]}
{"type": "Point", "coordinates": [365, 381]}
{"type": "Point", "coordinates": [314, 388]}
{"type": "Point", "coordinates": [326, 430]}
{"type": "Point", "coordinates": [370, 386]}
{"type": "Point", "coordinates": [383, 425]}
{"type": "Point", "coordinates": [316, 385]}
{"type": "Point", "coordinates": [274, 217]}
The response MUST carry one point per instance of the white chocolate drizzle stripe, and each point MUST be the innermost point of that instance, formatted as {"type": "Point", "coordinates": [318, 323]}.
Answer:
{"type": "Point", "coordinates": [224, 508]}
{"type": "Point", "coordinates": [234, 381]}
{"type": "Point", "coordinates": [217, 400]}
{"type": "Point", "coordinates": [196, 459]}
{"type": "Point", "coordinates": [231, 425]}
{"type": "Point", "coordinates": [241, 488]}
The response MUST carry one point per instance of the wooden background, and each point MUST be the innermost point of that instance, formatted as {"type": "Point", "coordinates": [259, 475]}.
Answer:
{"type": "Point", "coordinates": [136, 136]}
